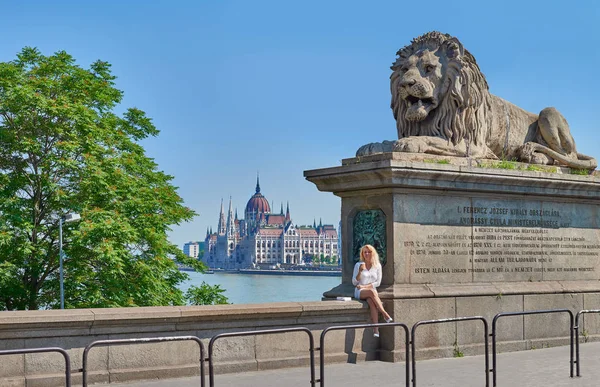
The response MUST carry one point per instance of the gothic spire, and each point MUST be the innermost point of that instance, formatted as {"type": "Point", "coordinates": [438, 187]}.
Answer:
{"type": "Point", "coordinates": [222, 225]}
{"type": "Point", "coordinates": [236, 217]}
{"type": "Point", "coordinates": [257, 184]}
{"type": "Point", "coordinates": [314, 223]}
{"type": "Point", "coordinates": [230, 222]}
{"type": "Point", "coordinates": [281, 212]}
{"type": "Point", "coordinates": [287, 213]}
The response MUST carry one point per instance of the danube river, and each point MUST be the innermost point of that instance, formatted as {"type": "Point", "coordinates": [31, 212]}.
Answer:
{"type": "Point", "coordinates": [256, 288]}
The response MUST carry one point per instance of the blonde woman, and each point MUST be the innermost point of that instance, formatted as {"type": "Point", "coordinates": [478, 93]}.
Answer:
{"type": "Point", "coordinates": [366, 278]}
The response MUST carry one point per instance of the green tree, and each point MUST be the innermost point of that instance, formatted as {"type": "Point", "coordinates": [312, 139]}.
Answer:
{"type": "Point", "coordinates": [63, 148]}
{"type": "Point", "coordinates": [206, 295]}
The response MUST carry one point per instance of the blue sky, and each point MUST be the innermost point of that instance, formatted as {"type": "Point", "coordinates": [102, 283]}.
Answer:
{"type": "Point", "coordinates": [279, 87]}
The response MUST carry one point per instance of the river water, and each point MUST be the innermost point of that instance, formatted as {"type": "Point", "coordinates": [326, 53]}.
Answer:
{"type": "Point", "coordinates": [255, 289]}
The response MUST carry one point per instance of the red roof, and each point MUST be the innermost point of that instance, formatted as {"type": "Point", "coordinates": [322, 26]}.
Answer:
{"type": "Point", "coordinates": [331, 233]}
{"type": "Point", "coordinates": [270, 232]}
{"type": "Point", "coordinates": [308, 232]}
{"type": "Point", "coordinates": [275, 219]}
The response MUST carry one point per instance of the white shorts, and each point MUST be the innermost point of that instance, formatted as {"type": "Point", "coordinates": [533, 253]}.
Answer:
{"type": "Point", "coordinates": [357, 292]}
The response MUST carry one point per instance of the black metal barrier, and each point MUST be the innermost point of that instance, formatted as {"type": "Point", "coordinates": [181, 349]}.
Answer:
{"type": "Point", "coordinates": [576, 328]}
{"type": "Point", "coordinates": [496, 317]}
{"type": "Point", "coordinates": [410, 339]}
{"type": "Point", "coordinates": [138, 341]}
{"type": "Point", "coordinates": [211, 375]}
{"type": "Point", "coordinates": [446, 320]}
{"type": "Point", "coordinates": [48, 349]}
{"type": "Point", "coordinates": [342, 327]}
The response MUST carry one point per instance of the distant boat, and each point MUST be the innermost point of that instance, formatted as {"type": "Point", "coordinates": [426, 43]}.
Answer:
{"type": "Point", "coordinates": [209, 272]}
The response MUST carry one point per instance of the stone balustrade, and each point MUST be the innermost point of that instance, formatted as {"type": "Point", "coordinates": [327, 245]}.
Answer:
{"type": "Point", "coordinates": [74, 329]}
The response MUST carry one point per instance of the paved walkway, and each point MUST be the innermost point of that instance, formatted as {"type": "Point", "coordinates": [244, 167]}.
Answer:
{"type": "Point", "coordinates": [541, 367]}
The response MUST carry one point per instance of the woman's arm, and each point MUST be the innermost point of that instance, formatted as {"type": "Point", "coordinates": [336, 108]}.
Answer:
{"type": "Point", "coordinates": [355, 274]}
{"type": "Point", "coordinates": [378, 277]}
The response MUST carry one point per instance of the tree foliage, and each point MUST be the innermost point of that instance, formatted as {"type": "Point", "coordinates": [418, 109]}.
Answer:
{"type": "Point", "coordinates": [64, 149]}
{"type": "Point", "coordinates": [206, 295]}
{"type": "Point", "coordinates": [318, 260]}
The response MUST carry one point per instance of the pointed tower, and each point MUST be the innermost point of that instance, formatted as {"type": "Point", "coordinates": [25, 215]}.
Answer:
{"type": "Point", "coordinates": [222, 225]}
{"type": "Point", "coordinates": [314, 223]}
{"type": "Point", "coordinates": [207, 233]}
{"type": "Point", "coordinates": [287, 213]}
{"type": "Point", "coordinates": [230, 230]}
{"type": "Point", "coordinates": [257, 184]}
{"type": "Point", "coordinates": [236, 217]}
{"type": "Point", "coordinates": [281, 212]}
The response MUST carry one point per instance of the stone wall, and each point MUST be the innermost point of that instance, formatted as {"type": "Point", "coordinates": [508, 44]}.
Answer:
{"type": "Point", "coordinates": [73, 330]}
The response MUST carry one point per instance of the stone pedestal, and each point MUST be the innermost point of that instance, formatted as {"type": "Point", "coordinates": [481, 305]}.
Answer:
{"type": "Point", "coordinates": [465, 240]}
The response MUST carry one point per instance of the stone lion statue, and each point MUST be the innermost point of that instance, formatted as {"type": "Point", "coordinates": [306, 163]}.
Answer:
{"type": "Point", "coordinates": [442, 105]}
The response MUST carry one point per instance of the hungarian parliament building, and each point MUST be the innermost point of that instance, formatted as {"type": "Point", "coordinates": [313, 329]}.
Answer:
{"type": "Point", "coordinates": [266, 240]}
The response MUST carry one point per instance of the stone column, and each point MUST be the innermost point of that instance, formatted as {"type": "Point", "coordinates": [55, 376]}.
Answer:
{"type": "Point", "coordinates": [464, 240]}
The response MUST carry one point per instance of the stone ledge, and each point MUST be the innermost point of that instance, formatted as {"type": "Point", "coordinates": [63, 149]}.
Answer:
{"type": "Point", "coordinates": [46, 318]}
{"type": "Point", "coordinates": [457, 163]}
{"type": "Point", "coordinates": [405, 291]}
{"type": "Point", "coordinates": [95, 318]}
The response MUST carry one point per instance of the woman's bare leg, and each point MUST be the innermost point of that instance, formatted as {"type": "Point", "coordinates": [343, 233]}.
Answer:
{"type": "Point", "coordinates": [374, 315]}
{"type": "Point", "coordinates": [369, 293]}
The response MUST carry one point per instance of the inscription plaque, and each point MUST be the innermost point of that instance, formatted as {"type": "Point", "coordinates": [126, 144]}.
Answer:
{"type": "Point", "coordinates": [486, 240]}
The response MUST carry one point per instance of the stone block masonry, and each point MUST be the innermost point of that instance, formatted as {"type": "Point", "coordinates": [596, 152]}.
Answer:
{"type": "Point", "coordinates": [73, 330]}
{"type": "Point", "coordinates": [465, 239]}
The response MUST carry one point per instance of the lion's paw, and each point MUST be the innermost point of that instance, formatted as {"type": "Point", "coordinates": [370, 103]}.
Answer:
{"type": "Point", "coordinates": [526, 152]}
{"type": "Point", "coordinates": [529, 153]}
{"type": "Point", "coordinates": [373, 148]}
{"type": "Point", "coordinates": [411, 145]}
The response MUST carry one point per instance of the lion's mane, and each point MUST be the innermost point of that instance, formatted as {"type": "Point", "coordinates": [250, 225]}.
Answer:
{"type": "Point", "coordinates": [464, 110]}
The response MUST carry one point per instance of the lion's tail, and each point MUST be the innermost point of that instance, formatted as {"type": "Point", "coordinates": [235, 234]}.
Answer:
{"type": "Point", "coordinates": [582, 162]}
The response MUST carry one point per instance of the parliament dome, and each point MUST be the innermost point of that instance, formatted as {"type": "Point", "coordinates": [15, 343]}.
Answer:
{"type": "Point", "coordinates": [258, 203]}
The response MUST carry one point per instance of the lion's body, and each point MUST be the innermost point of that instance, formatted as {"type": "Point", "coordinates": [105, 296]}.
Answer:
{"type": "Point", "coordinates": [442, 105]}
{"type": "Point", "coordinates": [511, 128]}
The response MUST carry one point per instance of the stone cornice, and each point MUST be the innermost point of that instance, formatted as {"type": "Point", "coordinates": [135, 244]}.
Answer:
{"type": "Point", "coordinates": [397, 170]}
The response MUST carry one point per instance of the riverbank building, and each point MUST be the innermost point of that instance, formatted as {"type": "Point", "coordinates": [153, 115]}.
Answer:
{"type": "Point", "coordinates": [266, 239]}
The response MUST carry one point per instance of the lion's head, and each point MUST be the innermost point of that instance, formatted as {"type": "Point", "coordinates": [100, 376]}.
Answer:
{"type": "Point", "coordinates": [438, 90]}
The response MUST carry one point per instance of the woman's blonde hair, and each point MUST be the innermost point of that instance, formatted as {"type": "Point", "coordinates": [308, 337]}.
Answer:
{"type": "Point", "coordinates": [374, 254]}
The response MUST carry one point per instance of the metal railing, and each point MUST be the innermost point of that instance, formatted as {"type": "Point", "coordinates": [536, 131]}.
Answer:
{"type": "Point", "coordinates": [410, 341]}
{"type": "Point", "coordinates": [447, 320]}
{"type": "Point", "coordinates": [576, 329]}
{"type": "Point", "coordinates": [342, 327]}
{"type": "Point", "coordinates": [41, 350]}
{"type": "Point", "coordinates": [211, 375]}
{"type": "Point", "coordinates": [496, 317]}
{"type": "Point", "coordinates": [141, 341]}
